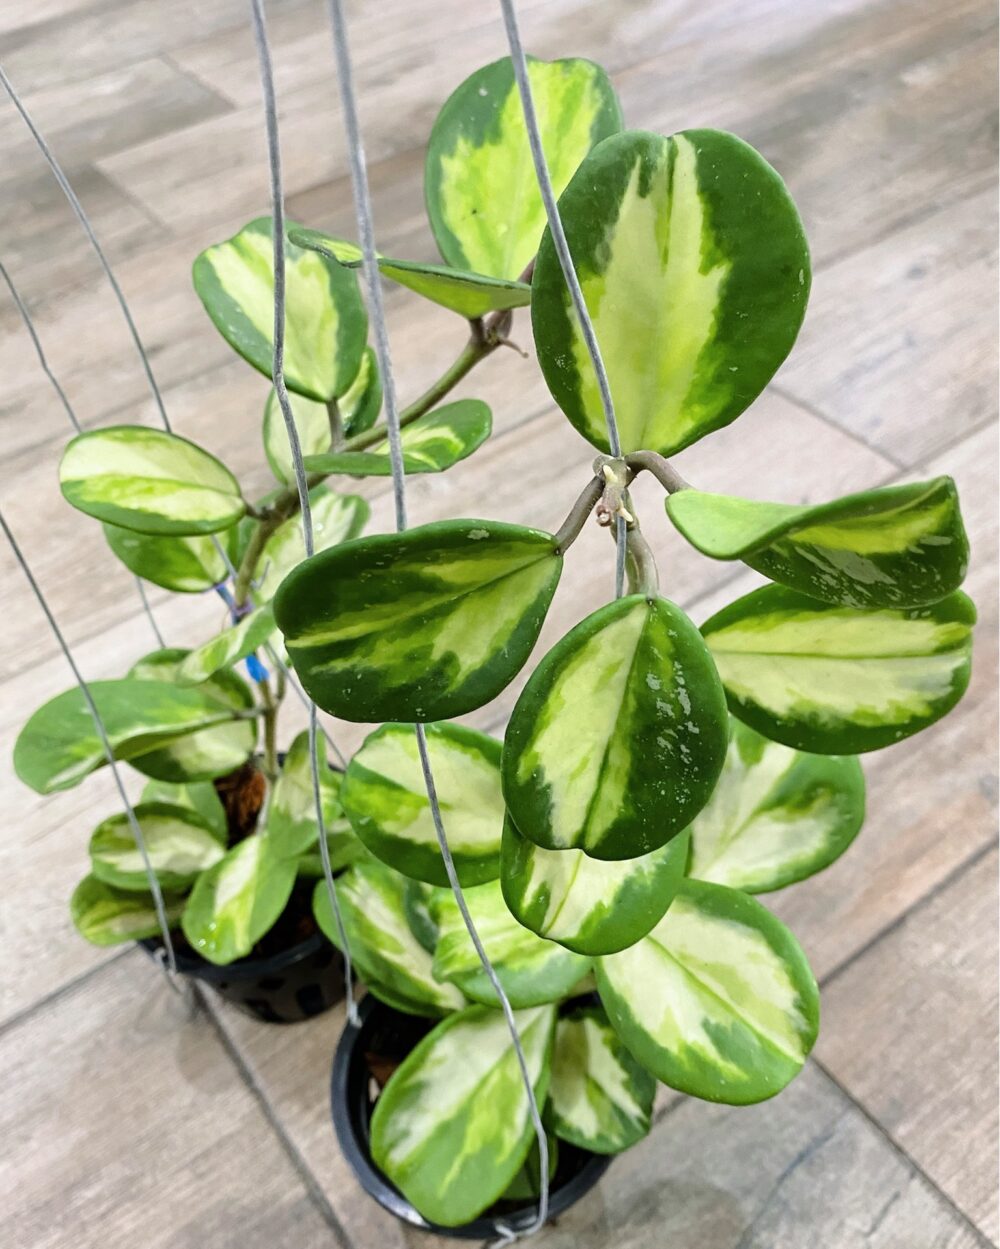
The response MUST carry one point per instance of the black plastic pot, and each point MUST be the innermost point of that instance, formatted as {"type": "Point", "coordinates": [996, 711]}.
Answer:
{"type": "Point", "coordinates": [296, 984]}
{"type": "Point", "coordinates": [391, 1034]}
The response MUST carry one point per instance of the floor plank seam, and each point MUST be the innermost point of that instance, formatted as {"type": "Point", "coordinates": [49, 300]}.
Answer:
{"type": "Point", "coordinates": [294, 1155]}
{"type": "Point", "coordinates": [63, 990]}
{"type": "Point", "coordinates": [820, 415]}
{"type": "Point", "coordinates": [982, 1239]}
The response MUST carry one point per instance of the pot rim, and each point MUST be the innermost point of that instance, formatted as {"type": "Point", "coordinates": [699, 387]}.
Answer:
{"type": "Point", "coordinates": [241, 968]}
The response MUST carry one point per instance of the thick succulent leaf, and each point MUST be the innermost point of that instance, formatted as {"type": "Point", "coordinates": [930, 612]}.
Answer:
{"type": "Point", "coordinates": [431, 443]}
{"type": "Point", "coordinates": [336, 518]}
{"type": "Point", "coordinates": [149, 481]}
{"type": "Point", "coordinates": [359, 407]}
{"type": "Point", "coordinates": [619, 735]}
{"type": "Point", "coordinates": [526, 1185]}
{"type": "Point", "coordinates": [59, 745]}
{"type": "Point", "coordinates": [901, 546]}
{"type": "Point", "coordinates": [418, 904]}
{"type": "Point", "coordinates": [600, 1098]}
{"type": "Point", "coordinates": [238, 900]}
{"type": "Point", "coordinates": [105, 915]}
{"type": "Point", "coordinates": [718, 1001]}
{"type": "Point", "coordinates": [418, 626]}
{"type": "Point", "coordinates": [291, 814]}
{"type": "Point", "coordinates": [695, 270]}
{"type": "Point", "coordinates": [589, 905]}
{"type": "Point", "coordinates": [482, 196]}
{"type": "Point", "coordinates": [179, 842]}
{"type": "Point", "coordinates": [184, 565]}
{"type": "Point", "coordinates": [325, 322]}
{"type": "Point", "coordinates": [207, 753]}
{"type": "Point", "coordinates": [385, 799]}
{"type": "Point", "coordinates": [836, 680]}
{"type": "Point", "coordinates": [227, 647]}
{"type": "Point", "coordinates": [469, 294]}
{"type": "Point", "coordinates": [390, 958]}
{"type": "Point", "coordinates": [200, 796]}
{"type": "Point", "coordinates": [436, 1130]}
{"type": "Point", "coordinates": [530, 969]}
{"type": "Point", "coordinates": [777, 815]}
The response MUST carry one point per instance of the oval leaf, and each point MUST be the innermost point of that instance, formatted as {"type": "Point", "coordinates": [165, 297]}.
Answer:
{"type": "Point", "coordinates": [180, 846]}
{"type": "Point", "coordinates": [237, 901]}
{"type": "Point", "coordinates": [901, 546]}
{"type": "Point", "coordinates": [777, 815]}
{"type": "Point", "coordinates": [835, 680]}
{"type": "Point", "coordinates": [718, 1001]}
{"type": "Point", "coordinates": [200, 796]}
{"type": "Point", "coordinates": [695, 271]}
{"type": "Point", "coordinates": [291, 826]}
{"type": "Point", "coordinates": [395, 965]}
{"type": "Point", "coordinates": [336, 518]}
{"type": "Point", "coordinates": [418, 903]}
{"type": "Point", "coordinates": [620, 734]}
{"type": "Point", "coordinates": [530, 969]}
{"type": "Point", "coordinates": [482, 196]}
{"type": "Point", "coordinates": [325, 322]}
{"type": "Point", "coordinates": [589, 905]}
{"type": "Point", "coordinates": [227, 647]}
{"type": "Point", "coordinates": [59, 745]}
{"type": "Point", "coordinates": [149, 481]}
{"type": "Point", "coordinates": [600, 1098]}
{"type": "Point", "coordinates": [418, 626]}
{"type": "Point", "coordinates": [108, 916]}
{"type": "Point", "coordinates": [359, 407]}
{"type": "Point", "coordinates": [207, 753]}
{"type": "Point", "coordinates": [471, 295]}
{"type": "Point", "coordinates": [436, 1131]}
{"type": "Point", "coordinates": [386, 801]}
{"type": "Point", "coordinates": [431, 444]}
{"type": "Point", "coordinates": [185, 565]}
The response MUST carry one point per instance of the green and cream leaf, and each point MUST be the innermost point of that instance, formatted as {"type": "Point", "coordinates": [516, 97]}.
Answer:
{"type": "Point", "coordinates": [695, 271]}
{"type": "Point", "coordinates": [106, 916]}
{"type": "Point", "coordinates": [180, 845]}
{"type": "Point", "coordinates": [227, 647]}
{"type": "Point", "coordinates": [619, 735]}
{"type": "Point", "coordinates": [436, 1131]}
{"type": "Point", "coordinates": [336, 518]}
{"type": "Point", "coordinates": [717, 1001]}
{"type": "Point", "coordinates": [185, 565]}
{"type": "Point", "coordinates": [199, 796]}
{"type": "Point", "coordinates": [418, 626]}
{"type": "Point", "coordinates": [150, 481]}
{"type": "Point", "coordinates": [291, 827]}
{"type": "Point", "coordinates": [837, 680]}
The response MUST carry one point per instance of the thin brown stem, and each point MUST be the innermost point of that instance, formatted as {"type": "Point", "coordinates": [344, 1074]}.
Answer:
{"type": "Point", "coordinates": [640, 565]}
{"type": "Point", "coordinates": [570, 529]}
{"type": "Point", "coordinates": [269, 715]}
{"type": "Point", "coordinates": [336, 424]}
{"type": "Point", "coordinates": [660, 467]}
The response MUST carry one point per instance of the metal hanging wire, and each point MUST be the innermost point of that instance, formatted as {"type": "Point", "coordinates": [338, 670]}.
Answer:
{"type": "Point", "coordinates": [366, 236]}
{"type": "Point", "coordinates": [295, 446]}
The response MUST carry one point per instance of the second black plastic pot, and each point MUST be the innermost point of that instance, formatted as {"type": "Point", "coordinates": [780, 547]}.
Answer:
{"type": "Point", "coordinates": [391, 1035]}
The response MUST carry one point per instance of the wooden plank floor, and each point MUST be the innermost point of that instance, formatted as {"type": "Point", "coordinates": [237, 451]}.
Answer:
{"type": "Point", "coordinates": [126, 1119]}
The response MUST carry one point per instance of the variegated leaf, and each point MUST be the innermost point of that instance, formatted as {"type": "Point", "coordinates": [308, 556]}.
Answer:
{"type": "Point", "coordinates": [418, 904]}
{"type": "Point", "coordinates": [431, 443]}
{"type": "Point", "coordinates": [386, 801]}
{"type": "Point", "coordinates": [227, 647]}
{"type": "Point", "coordinates": [600, 1098]}
{"type": "Point", "coordinates": [235, 902]}
{"type": "Point", "coordinates": [530, 969]}
{"type": "Point", "coordinates": [776, 816]}
{"type": "Point", "coordinates": [718, 1001]}
{"type": "Point", "coordinates": [291, 814]}
{"type": "Point", "coordinates": [392, 961]}
{"type": "Point", "coordinates": [59, 745]}
{"type": "Point", "coordinates": [469, 294]}
{"type": "Point", "coordinates": [836, 680]}
{"type": "Point", "coordinates": [149, 481]}
{"type": "Point", "coordinates": [325, 322]}
{"type": "Point", "coordinates": [526, 1185]}
{"type": "Point", "coordinates": [695, 270]}
{"type": "Point", "coordinates": [184, 565]}
{"type": "Point", "coordinates": [418, 626]}
{"type": "Point", "coordinates": [589, 905]}
{"type": "Point", "coordinates": [199, 796]}
{"type": "Point", "coordinates": [206, 753]}
{"type": "Point", "coordinates": [901, 546]}
{"type": "Point", "coordinates": [336, 518]}
{"type": "Point", "coordinates": [358, 406]}
{"type": "Point", "coordinates": [437, 1131]}
{"type": "Point", "coordinates": [619, 735]}
{"type": "Point", "coordinates": [482, 196]}
{"type": "Point", "coordinates": [105, 915]}
{"type": "Point", "coordinates": [180, 845]}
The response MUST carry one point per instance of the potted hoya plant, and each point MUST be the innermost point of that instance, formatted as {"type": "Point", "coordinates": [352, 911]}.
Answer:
{"type": "Point", "coordinates": [654, 776]}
